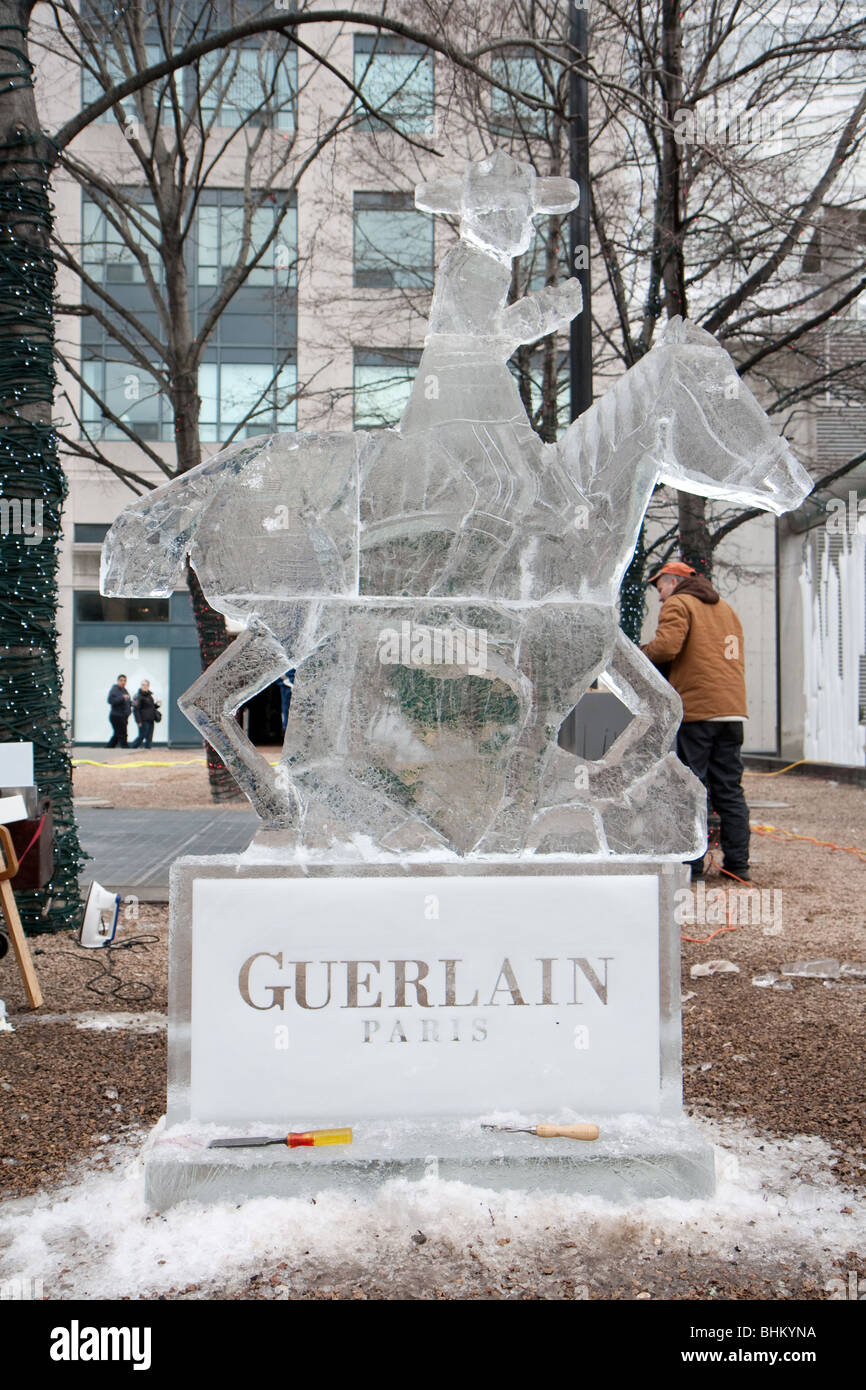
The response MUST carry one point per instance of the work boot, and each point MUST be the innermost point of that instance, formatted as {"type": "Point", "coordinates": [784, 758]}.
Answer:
{"type": "Point", "coordinates": [742, 873]}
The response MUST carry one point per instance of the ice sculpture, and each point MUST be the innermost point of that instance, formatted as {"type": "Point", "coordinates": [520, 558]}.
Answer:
{"type": "Point", "coordinates": [446, 590]}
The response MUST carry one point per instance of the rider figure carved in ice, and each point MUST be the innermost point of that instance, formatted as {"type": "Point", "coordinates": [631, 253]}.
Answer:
{"type": "Point", "coordinates": [446, 590]}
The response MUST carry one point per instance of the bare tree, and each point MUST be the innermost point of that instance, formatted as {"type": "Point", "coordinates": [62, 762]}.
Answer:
{"type": "Point", "coordinates": [230, 115]}
{"type": "Point", "coordinates": [723, 150]}
{"type": "Point", "coordinates": [30, 707]}
{"type": "Point", "coordinates": [190, 255]}
{"type": "Point", "coordinates": [514, 96]}
{"type": "Point", "coordinates": [748, 120]}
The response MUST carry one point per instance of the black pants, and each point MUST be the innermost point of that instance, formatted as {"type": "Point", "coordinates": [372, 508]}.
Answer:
{"type": "Point", "coordinates": [712, 751]}
{"type": "Point", "coordinates": [118, 723]}
{"type": "Point", "coordinates": [145, 734]}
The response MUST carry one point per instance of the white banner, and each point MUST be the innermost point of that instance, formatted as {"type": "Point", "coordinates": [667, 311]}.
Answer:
{"type": "Point", "coordinates": [329, 1000]}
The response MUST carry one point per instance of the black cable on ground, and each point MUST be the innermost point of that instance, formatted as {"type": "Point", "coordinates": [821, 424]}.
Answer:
{"type": "Point", "coordinates": [129, 992]}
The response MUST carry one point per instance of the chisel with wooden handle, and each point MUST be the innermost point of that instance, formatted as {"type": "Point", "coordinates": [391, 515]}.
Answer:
{"type": "Point", "coordinates": [551, 1131]}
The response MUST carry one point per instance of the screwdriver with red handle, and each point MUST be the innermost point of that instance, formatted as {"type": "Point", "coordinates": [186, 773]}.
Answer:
{"type": "Point", "coordinates": [304, 1139]}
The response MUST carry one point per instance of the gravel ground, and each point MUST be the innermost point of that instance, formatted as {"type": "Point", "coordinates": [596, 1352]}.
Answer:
{"type": "Point", "coordinates": [791, 1061]}
{"type": "Point", "coordinates": [765, 1070]}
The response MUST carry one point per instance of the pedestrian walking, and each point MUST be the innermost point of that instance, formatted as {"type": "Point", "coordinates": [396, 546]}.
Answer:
{"type": "Point", "coordinates": [698, 646]}
{"type": "Point", "coordinates": [147, 713]}
{"type": "Point", "coordinates": [119, 709]}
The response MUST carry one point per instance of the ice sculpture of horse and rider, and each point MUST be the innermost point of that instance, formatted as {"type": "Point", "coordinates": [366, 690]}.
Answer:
{"type": "Point", "coordinates": [446, 590]}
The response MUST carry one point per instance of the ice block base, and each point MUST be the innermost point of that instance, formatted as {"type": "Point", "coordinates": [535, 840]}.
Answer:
{"type": "Point", "coordinates": [633, 1159]}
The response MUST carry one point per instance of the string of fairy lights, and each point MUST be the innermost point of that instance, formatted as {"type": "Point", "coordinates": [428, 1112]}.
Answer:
{"type": "Point", "coordinates": [632, 592]}
{"type": "Point", "coordinates": [212, 643]}
{"type": "Point", "coordinates": [32, 491]}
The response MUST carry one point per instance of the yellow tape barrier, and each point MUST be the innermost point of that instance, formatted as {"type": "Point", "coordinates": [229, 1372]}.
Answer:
{"type": "Point", "coordinates": [192, 762]}
{"type": "Point", "coordinates": [149, 762]}
{"type": "Point", "coordinates": [145, 762]}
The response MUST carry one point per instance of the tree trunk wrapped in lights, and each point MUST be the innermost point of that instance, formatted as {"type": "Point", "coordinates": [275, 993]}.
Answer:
{"type": "Point", "coordinates": [32, 485]}
{"type": "Point", "coordinates": [213, 640]}
{"type": "Point", "coordinates": [30, 473]}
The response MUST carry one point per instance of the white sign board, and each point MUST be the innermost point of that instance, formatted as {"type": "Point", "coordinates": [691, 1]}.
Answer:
{"type": "Point", "coordinates": [16, 764]}
{"type": "Point", "coordinates": [330, 1000]}
{"type": "Point", "coordinates": [12, 808]}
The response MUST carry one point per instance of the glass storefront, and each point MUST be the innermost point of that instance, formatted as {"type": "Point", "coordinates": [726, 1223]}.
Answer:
{"type": "Point", "coordinates": [97, 669]}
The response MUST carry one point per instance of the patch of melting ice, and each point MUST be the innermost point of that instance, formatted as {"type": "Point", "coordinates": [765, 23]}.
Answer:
{"type": "Point", "coordinates": [94, 1238]}
{"type": "Point", "coordinates": [134, 1023]}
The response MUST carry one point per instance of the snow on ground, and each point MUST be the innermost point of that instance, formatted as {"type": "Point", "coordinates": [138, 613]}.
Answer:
{"type": "Point", "coordinates": [93, 1238]}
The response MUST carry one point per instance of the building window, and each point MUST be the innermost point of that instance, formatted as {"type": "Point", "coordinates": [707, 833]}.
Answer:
{"type": "Point", "coordinates": [248, 342]}
{"type": "Point", "coordinates": [109, 256]}
{"type": "Point", "coordinates": [383, 383]}
{"type": "Point", "coordinates": [232, 391]}
{"type": "Point", "coordinates": [257, 82]}
{"type": "Point", "coordinates": [396, 78]}
{"type": "Point", "coordinates": [92, 89]}
{"type": "Point", "coordinates": [93, 608]}
{"type": "Point", "coordinates": [130, 394]}
{"type": "Point", "coordinates": [393, 242]}
{"type": "Point", "coordinates": [520, 72]}
{"type": "Point", "coordinates": [258, 85]}
{"type": "Point", "coordinates": [220, 234]}
{"type": "Point", "coordinates": [90, 533]}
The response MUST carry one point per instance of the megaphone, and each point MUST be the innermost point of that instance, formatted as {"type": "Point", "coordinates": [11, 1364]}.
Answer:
{"type": "Point", "coordinates": [101, 912]}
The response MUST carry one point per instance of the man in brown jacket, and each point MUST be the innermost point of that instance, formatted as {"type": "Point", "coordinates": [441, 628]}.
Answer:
{"type": "Point", "coordinates": [698, 646]}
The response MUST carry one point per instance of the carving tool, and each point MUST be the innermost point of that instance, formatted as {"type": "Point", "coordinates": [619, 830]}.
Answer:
{"type": "Point", "coordinates": [306, 1139]}
{"type": "Point", "coordinates": [551, 1131]}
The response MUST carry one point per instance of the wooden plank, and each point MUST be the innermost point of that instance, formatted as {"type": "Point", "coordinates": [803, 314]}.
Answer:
{"type": "Point", "coordinates": [10, 911]}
